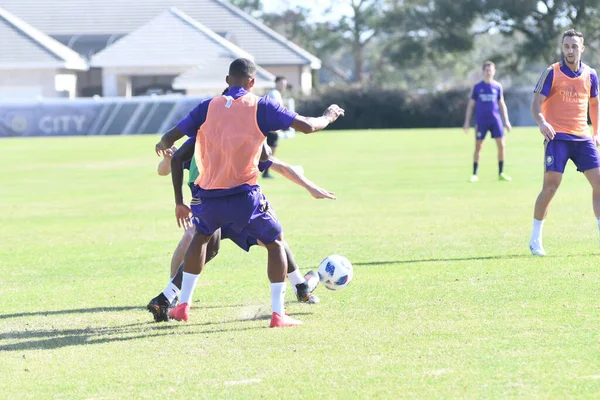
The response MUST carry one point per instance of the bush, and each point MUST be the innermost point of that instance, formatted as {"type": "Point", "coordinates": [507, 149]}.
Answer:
{"type": "Point", "coordinates": [375, 108]}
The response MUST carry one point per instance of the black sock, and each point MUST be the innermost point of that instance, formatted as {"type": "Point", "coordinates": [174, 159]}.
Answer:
{"type": "Point", "coordinates": [475, 168]}
{"type": "Point", "coordinates": [178, 277]}
{"type": "Point", "coordinates": [500, 167]}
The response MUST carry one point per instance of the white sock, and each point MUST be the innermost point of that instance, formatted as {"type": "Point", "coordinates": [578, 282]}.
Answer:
{"type": "Point", "coordinates": [599, 224]}
{"type": "Point", "coordinates": [188, 284]}
{"type": "Point", "coordinates": [296, 277]}
{"type": "Point", "coordinates": [171, 292]}
{"type": "Point", "coordinates": [536, 234]}
{"type": "Point", "coordinates": [278, 297]}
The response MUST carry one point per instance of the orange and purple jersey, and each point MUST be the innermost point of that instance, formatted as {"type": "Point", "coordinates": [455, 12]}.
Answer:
{"type": "Point", "coordinates": [567, 98]}
{"type": "Point", "coordinates": [229, 144]}
{"type": "Point", "coordinates": [260, 117]}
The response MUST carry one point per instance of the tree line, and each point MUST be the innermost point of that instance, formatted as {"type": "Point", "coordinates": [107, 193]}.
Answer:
{"type": "Point", "coordinates": [433, 44]}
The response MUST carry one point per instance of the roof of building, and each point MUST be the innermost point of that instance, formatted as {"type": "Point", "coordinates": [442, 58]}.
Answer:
{"type": "Point", "coordinates": [170, 39]}
{"type": "Point", "coordinates": [206, 73]}
{"type": "Point", "coordinates": [118, 17]}
{"type": "Point", "coordinates": [23, 46]}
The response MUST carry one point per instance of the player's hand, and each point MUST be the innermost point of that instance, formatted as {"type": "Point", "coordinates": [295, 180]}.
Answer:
{"type": "Point", "coordinates": [508, 126]}
{"type": "Point", "coordinates": [160, 149]}
{"type": "Point", "coordinates": [333, 112]}
{"type": "Point", "coordinates": [597, 140]}
{"type": "Point", "coordinates": [182, 213]}
{"type": "Point", "coordinates": [319, 193]}
{"type": "Point", "coordinates": [547, 130]}
{"type": "Point", "coordinates": [466, 127]}
{"type": "Point", "coordinates": [169, 152]}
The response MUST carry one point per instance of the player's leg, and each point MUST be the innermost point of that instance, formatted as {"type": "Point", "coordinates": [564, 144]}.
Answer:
{"type": "Point", "coordinates": [180, 250]}
{"type": "Point", "coordinates": [587, 159]}
{"type": "Point", "coordinates": [498, 134]}
{"type": "Point", "coordinates": [304, 286]}
{"type": "Point", "coordinates": [557, 154]}
{"type": "Point", "coordinates": [480, 132]}
{"type": "Point", "coordinates": [593, 176]}
{"type": "Point", "coordinates": [265, 227]}
{"type": "Point", "coordinates": [167, 299]}
{"type": "Point", "coordinates": [272, 141]}
{"type": "Point", "coordinates": [206, 221]}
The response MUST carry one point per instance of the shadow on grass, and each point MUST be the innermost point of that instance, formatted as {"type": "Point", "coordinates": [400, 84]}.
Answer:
{"type": "Point", "coordinates": [101, 310]}
{"type": "Point", "coordinates": [59, 338]}
{"type": "Point", "coordinates": [73, 311]}
{"type": "Point", "coordinates": [498, 257]}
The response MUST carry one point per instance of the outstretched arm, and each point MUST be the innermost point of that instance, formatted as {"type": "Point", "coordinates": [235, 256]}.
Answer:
{"type": "Point", "coordinates": [290, 173]}
{"type": "Point", "coordinates": [310, 124]}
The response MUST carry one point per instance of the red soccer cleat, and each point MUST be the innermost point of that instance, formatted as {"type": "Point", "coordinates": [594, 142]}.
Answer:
{"type": "Point", "coordinates": [277, 321]}
{"type": "Point", "coordinates": [180, 313]}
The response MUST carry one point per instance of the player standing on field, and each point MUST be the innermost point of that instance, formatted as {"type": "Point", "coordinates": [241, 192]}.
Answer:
{"type": "Point", "coordinates": [488, 100]}
{"type": "Point", "coordinates": [560, 108]}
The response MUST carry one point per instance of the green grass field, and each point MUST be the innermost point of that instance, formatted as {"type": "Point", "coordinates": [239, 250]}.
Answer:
{"type": "Point", "coordinates": [446, 302]}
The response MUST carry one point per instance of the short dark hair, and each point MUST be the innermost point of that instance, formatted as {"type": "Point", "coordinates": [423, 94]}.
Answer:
{"type": "Point", "coordinates": [572, 33]}
{"type": "Point", "coordinates": [280, 78]}
{"type": "Point", "coordinates": [242, 68]}
{"type": "Point", "coordinates": [488, 64]}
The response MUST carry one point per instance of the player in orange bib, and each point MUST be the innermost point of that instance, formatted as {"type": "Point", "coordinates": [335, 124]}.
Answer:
{"type": "Point", "coordinates": [560, 107]}
{"type": "Point", "coordinates": [228, 148]}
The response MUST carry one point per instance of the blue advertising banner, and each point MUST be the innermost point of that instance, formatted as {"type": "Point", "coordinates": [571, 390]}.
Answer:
{"type": "Point", "coordinates": [115, 116]}
{"type": "Point", "coordinates": [47, 119]}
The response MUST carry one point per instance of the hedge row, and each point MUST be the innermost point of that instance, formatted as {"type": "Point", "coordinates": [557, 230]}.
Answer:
{"type": "Point", "coordinates": [375, 108]}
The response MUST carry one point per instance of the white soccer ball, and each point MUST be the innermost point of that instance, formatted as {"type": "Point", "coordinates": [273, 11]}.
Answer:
{"type": "Point", "coordinates": [335, 272]}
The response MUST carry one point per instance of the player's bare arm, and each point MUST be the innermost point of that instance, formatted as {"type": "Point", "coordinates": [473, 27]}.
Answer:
{"type": "Point", "coordinates": [164, 166]}
{"type": "Point", "coordinates": [168, 140]}
{"type": "Point", "coordinates": [536, 111]}
{"type": "Point", "coordinates": [504, 111]}
{"type": "Point", "coordinates": [290, 173]}
{"type": "Point", "coordinates": [595, 117]}
{"type": "Point", "coordinates": [182, 211]}
{"type": "Point", "coordinates": [266, 152]}
{"type": "Point", "coordinates": [468, 114]}
{"type": "Point", "coordinates": [311, 124]}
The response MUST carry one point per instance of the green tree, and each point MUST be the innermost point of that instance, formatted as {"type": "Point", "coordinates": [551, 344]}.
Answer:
{"type": "Point", "coordinates": [431, 28]}
{"type": "Point", "coordinates": [252, 7]}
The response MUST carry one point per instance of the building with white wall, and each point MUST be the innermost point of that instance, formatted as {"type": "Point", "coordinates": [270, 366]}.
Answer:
{"type": "Point", "coordinates": [99, 32]}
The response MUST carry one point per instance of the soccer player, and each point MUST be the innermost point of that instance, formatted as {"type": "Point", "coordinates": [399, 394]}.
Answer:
{"type": "Point", "coordinates": [275, 95]}
{"type": "Point", "coordinates": [560, 108]}
{"type": "Point", "coordinates": [487, 99]}
{"type": "Point", "coordinates": [303, 286]}
{"type": "Point", "coordinates": [228, 148]}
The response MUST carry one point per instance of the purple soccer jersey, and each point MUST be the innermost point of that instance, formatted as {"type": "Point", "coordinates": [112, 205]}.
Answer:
{"type": "Point", "coordinates": [544, 85]}
{"type": "Point", "coordinates": [486, 96]}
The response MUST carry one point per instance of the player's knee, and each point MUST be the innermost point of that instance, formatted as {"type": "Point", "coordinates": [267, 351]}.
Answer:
{"type": "Point", "coordinates": [276, 244]}
{"type": "Point", "coordinates": [213, 249]}
{"type": "Point", "coordinates": [551, 187]}
{"type": "Point", "coordinates": [189, 233]}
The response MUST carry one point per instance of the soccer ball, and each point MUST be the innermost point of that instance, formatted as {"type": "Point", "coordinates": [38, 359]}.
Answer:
{"type": "Point", "coordinates": [335, 272]}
